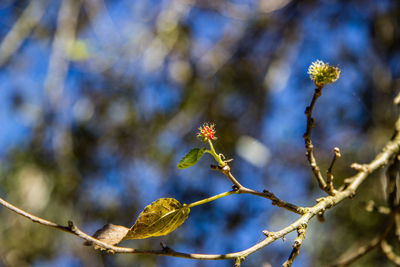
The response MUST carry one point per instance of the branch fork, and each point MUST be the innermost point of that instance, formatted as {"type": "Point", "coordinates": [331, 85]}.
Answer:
{"type": "Point", "coordinates": [391, 149]}
{"type": "Point", "coordinates": [327, 185]}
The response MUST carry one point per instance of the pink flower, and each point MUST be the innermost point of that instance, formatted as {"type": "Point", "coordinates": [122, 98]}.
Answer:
{"type": "Point", "coordinates": [207, 132]}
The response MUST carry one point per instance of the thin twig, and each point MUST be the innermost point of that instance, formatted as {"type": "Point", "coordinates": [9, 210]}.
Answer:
{"type": "Point", "coordinates": [397, 226]}
{"type": "Point", "coordinates": [238, 261]}
{"type": "Point", "coordinates": [21, 29]}
{"type": "Point", "coordinates": [396, 101]}
{"type": "Point", "coordinates": [391, 148]}
{"type": "Point", "coordinates": [391, 174]}
{"type": "Point", "coordinates": [226, 170]}
{"type": "Point", "coordinates": [31, 217]}
{"type": "Point", "coordinates": [308, 143]}
{"type": "Point", "coordinates": [275, 201]}
{"type": "Point", "coordinates": [329, 175]}
{"type": "Point", "coordinates": [58, 64]}
{"type": "Point", "coordinates": [389, 253]}
{"type": "Point", "coordinates": [370, 206]}
{"type": "Point", "coordinates": [363, 250]}
{"type": "Point", "coordinates": [301, 234]}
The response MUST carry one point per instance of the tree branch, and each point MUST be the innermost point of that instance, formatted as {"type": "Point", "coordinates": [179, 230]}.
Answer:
{"type": "Point", "coordinates": [308, 143]}
{"type": "Point", "coordinates": [329, 175]}
{"type": "Point", "coordinates": [301, 234]}
{"type": "Point", "coordinates": [31, 217]}
{"type": "Point", "coordinates": [21, 29]}
{"type": "Point", "coordinates": [58, 63]}
{"type": "Point", "coordinates": [391, 148]}
{"type": "Point", "coordinates": [363, 250]}
{"type": "Point", "coordinates": [370, 206]}
{"type": "Point", "coordinates": [391, 174]}
{"type": "Point", "coordinates": [389, 253]}
{"type": "Point", "coordinates": [397, 226]}
{"type": "Point", "coordinates": [226, 170]}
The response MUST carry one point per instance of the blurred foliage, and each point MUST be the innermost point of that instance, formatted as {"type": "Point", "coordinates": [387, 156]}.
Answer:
{"type": "Point", "coordinates": [100, 99]}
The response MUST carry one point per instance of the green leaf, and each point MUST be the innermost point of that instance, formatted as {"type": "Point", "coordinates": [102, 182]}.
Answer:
{"type": "Point", "coordinates": [159, 218]}
{"type": "Point", "coordinates": [191, 158]}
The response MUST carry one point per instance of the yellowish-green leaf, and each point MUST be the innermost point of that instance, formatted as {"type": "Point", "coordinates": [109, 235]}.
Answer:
{"type": "Point", "coordinates": [191, 158]}
{"type": "Point", "coordinates": [159, 218]}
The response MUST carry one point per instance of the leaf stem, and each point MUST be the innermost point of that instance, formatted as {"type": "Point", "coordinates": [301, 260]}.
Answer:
{"type": "Point", "coordinates": [214, 154]}
{"type": "Point", "coordinates": [206, 200]}
{"type": "Point", "coordinates": [217, 159]}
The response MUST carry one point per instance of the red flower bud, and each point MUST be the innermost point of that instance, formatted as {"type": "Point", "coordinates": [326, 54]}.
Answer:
{"type": "Point", "coordinates": [207, 132]}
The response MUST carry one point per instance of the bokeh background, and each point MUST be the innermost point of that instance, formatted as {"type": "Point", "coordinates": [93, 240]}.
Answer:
{"type": "Point", "coordinates": [100, 99]}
